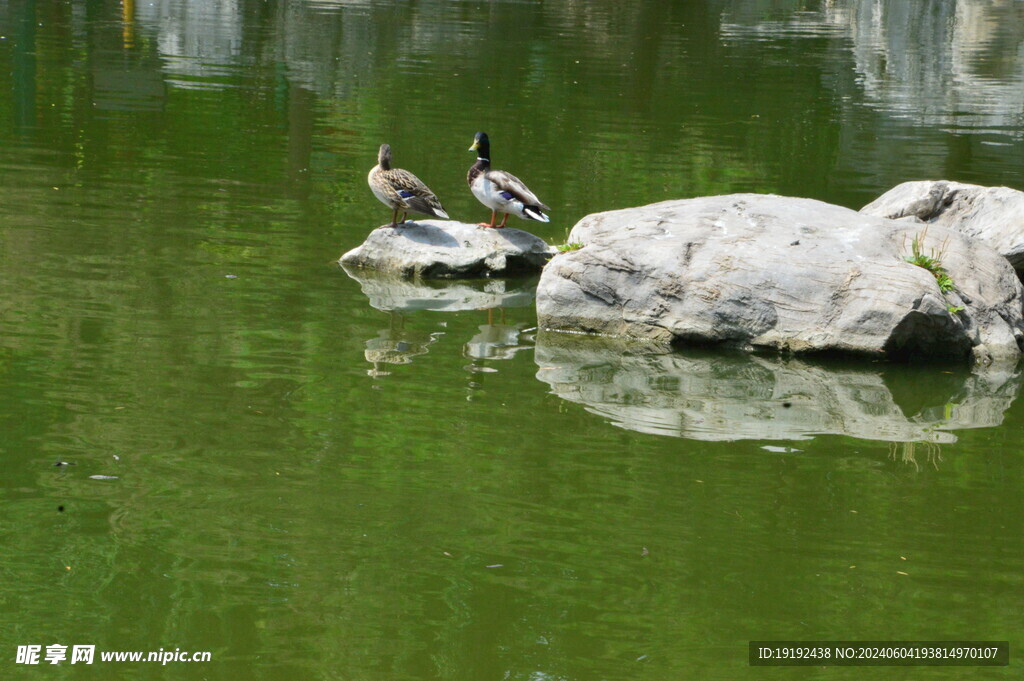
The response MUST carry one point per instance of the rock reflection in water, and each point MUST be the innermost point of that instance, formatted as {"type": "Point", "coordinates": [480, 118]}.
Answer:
{"type": "Point", "coordinates": [709, 396]}
{"type": "Point", "coordinates": [498, 339]}
{"type": "Point", "coordinates": [406, 295]}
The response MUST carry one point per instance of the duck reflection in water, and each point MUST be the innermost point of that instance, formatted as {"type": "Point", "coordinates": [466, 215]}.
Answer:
{"type": "Point", "coordinates": [396, 345]}
{"type": "Point", "coordinates": [496, 340]}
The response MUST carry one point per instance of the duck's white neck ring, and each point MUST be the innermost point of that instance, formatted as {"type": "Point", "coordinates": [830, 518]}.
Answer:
{"type": "Point", "coordinates": [481, 158]}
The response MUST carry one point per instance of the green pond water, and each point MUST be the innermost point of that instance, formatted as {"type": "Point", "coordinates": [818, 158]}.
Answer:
{"type": "Point", "coordinates": [315, 476]}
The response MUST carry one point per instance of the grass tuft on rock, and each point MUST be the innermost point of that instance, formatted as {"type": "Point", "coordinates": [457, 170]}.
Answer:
{"type": "Point", "coordinates": [931, 261]}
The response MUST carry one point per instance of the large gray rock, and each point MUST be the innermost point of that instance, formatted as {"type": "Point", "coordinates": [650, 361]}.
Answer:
{"type": "Point", "coordinates": [788, 274]}
{"type": "Point", "coordinates": [728, 396]}
{"type": "Point", "coordinates": [448, 249]}
{"type": "Point", "coordinates": [994, 215]}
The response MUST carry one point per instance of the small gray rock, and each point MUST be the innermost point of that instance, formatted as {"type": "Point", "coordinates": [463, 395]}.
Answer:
{"type": "Point", "coordinates": [450, 250]}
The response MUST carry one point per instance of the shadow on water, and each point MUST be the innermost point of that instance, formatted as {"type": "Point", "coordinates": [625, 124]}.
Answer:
{"type": "Point", "coordinates": [713, 396]}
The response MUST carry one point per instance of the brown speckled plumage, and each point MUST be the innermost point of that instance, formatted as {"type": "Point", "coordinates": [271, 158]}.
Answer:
{"type": "Point", "coordinates": [401, 191]}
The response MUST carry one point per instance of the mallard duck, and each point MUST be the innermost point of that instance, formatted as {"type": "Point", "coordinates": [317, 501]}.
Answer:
{"type": "Point", "coordinates": [400, 190]}
{"type": "Point", "coordinates": [501, 191]}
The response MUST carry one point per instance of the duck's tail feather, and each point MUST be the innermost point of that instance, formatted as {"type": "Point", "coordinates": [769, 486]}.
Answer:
{"type": "Point", "coordinates": [534, 213]}
{"type": "Point", "coordinates": [426, 206]}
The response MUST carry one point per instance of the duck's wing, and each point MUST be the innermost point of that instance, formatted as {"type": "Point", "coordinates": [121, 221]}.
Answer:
{"type": "Point", "coordinates": [509, 183]}
{"type": "Point", "coordinates": [413, 193]}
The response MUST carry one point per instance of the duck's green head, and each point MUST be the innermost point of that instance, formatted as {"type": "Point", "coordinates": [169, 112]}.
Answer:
{"type": "Point", "coordinates": [481, 145]}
